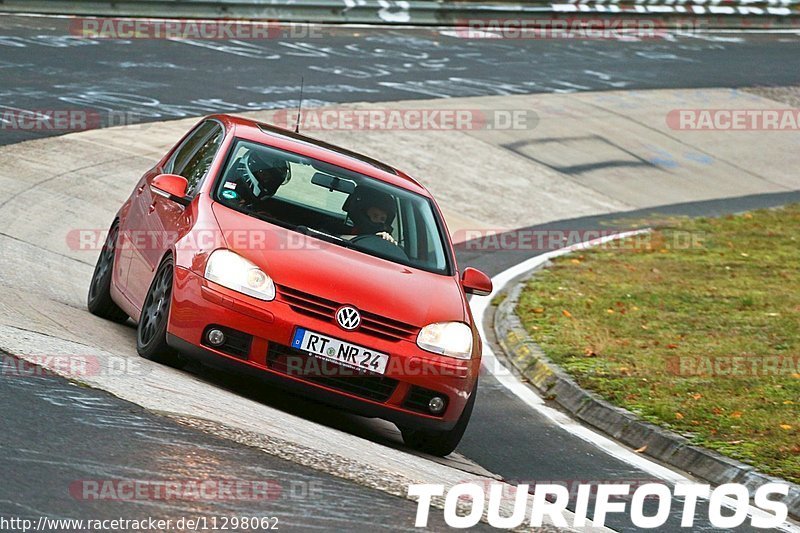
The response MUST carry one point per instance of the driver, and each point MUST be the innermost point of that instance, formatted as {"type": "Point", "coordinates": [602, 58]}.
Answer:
{"type": "Point", "coordinates": [372, 212]}
{"type": "Point", "coordinates": [257, 177]}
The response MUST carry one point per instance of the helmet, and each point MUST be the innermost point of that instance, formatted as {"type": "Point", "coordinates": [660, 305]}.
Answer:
{"type": "Point", "coordinates": [359, 203]}
{"type": "Point", "coordinates": [270, 173]}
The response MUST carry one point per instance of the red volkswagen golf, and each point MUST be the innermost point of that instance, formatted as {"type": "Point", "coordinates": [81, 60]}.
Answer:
{"type": "Point", "coordinates": [320, 268]}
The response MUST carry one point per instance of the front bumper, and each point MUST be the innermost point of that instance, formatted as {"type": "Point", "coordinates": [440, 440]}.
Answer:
{"type": "Point", "coordinates": [198, 304]}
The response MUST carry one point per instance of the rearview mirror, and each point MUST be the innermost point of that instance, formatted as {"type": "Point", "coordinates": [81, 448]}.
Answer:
{"type": "Point", "coordinates": [333, 183]}
{"type": "Point", "coordinates": [476, 282]}
{"type": "Point", "coordinates": [172, 187]}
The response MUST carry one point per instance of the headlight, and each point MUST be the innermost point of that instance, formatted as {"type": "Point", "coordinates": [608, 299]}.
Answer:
{"type": "Point", "coordinates": [237, 273]}
{"type": "Point", "coordinates": [453, 339]}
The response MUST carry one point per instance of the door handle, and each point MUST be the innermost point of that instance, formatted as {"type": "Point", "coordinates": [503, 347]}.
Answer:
{"type": "Point", "coordinates": [151, 208]}
{"type": "Point", "coordinates": [140, 189]}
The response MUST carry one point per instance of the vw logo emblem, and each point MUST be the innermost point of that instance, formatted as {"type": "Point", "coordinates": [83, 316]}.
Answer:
{"type": "Point", "coordinates": [348, 318]}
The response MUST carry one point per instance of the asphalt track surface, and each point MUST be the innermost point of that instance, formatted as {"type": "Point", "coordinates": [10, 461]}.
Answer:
{"type": "Point", "coordinates": [70, 437]}
{"type": "Point", "coordinates": [158, 80]}
{"type": "Point", "coordinates": [43, 66]}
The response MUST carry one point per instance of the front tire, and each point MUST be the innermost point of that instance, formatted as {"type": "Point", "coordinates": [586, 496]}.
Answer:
{"type": "Point", "coordinates": [151, 332]}
{"type": "Point", "coordinates": [99, 299]}
{"type": "Point", "coordinates": [440, 443]}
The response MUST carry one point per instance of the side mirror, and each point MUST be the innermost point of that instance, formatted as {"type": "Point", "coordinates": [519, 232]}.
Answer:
{"type": "Point", "coordinates": [476, 282]}
{"type": "Point", "coordinates": [172, 187]}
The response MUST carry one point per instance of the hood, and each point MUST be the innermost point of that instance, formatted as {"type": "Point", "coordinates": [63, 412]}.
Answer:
{"type": "Point", "coordinates": [341, 274]}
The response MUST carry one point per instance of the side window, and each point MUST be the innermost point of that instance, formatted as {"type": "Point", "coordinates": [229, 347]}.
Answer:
{"type": "Point", "coordinates": [178, 159]}
{"type": "Point", "coordinates": [427, 238]}
{"type": "Point", "coordinates": [195, 168]}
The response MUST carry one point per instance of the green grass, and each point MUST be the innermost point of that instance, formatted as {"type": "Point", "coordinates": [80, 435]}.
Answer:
{"type": "Point", "coordinates": [632, 321]}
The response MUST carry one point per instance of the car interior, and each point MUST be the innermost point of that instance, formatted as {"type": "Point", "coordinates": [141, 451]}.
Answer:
{"type": "Point", "coordinates": [320, 200]}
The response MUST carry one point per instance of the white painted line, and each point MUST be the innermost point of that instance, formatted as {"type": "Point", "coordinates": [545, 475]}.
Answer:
{"type": "Point", "coordinates": [527, 394]}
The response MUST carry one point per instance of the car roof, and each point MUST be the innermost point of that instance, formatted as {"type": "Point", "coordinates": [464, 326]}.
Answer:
{"type": "Point", "coordinates": [318, 149]}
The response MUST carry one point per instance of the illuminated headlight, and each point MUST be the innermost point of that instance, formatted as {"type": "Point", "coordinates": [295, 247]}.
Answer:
{"type": "Point", "coordinates": [453, 339]}
{"type": "Point", "coordinates": [237, 273]}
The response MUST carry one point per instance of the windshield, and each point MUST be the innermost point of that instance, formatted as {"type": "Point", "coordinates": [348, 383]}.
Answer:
{"type": "Point", "coordinates": [334, 204]}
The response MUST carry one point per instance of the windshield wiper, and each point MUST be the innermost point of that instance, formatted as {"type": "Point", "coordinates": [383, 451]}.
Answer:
{"type": "Point", "coordinates": [273, 220]}
{"type": "Point", "coordinates": [305, 230]}
{"type": "Point", "coordinates": [335, 239]}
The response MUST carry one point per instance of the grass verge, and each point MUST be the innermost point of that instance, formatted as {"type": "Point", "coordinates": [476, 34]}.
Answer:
{"type": "Point", "coordinates": [695, 327]}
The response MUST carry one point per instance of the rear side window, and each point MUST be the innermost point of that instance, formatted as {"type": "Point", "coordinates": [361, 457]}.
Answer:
{"type": "Point", "coordinates": [185, 150]}
{"type": "Point", "coordinates": [194, 157]}
{"type": "Point", "coordinates": [197, 166]}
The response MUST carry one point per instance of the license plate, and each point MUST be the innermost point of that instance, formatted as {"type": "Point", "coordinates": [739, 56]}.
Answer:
{"type": "Point", "coordinates": [341, 352]}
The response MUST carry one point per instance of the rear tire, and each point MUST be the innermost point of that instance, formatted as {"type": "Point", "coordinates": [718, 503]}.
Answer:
{"type": "Point", "coordinates": [151, 332]}
{"type": "Point", "coordinates": [99, 299]}
{"type": "Point", "coordinates": [440, 443]}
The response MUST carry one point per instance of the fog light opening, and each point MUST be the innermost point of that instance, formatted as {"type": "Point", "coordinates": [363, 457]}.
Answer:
{"type": "Point", "coordinates": [215, 337]}
{"type": "Point", "coordinates": [436, 405]}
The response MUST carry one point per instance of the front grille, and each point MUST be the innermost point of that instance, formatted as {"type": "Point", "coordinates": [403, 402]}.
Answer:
{"type": "Point", "coordinates": [296, 363]}
{"type": "Point", "coordinates": [324, 309]}
{"type": "Point", "coordinates": [418, 398]}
